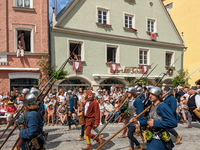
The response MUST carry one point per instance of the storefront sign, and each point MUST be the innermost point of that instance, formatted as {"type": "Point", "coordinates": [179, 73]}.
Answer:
{"type": "Point", "coordinates": [128, 70]}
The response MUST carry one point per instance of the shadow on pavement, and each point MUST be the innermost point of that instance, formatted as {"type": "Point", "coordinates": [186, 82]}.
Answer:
{"type": "Point", "coordinates": [106, 146]}
{"type": "Point", "coordinates": [53, 136]}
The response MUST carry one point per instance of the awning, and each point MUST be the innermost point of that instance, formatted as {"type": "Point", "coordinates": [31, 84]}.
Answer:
{"type": "Point", "coordinates": [127, 76]}
{"type": "Point", "coordinates": [21, 69]}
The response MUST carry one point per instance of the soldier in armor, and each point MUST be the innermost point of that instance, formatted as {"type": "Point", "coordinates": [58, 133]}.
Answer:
{"type": "Point", "coordinates": [31, 134]}
{"type": "Point", "coordinates": [135, 107]}
{"type": "Point", "coordinates": [158, 121]}
{"type": "Point", "coordinates": [170, 100]}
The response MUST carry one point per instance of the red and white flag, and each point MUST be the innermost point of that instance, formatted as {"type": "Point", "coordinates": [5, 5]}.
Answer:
{"type": "Point", "coordinates": [113, 68]}
{"type": "Point", "coordinates": [171, 71]}
{"type": "Point", "coordinates": [76, 65]}
{"type": "Point", "coordinates": [153, 36]}
{"type": "Point", "coordinates": [144, 69]}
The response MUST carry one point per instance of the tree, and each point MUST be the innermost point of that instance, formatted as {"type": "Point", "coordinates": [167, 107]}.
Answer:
{"type": "Point", "coordinates": [131, 81]}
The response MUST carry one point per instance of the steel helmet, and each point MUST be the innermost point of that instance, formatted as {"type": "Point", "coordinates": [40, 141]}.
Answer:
{"type": "Point", "coordinates": [149, 87]}
{"type": "Point", "coordinates": [34, 91]}
{"type": "Point", "coordinates": [131, 90]}
{"type": "Point", "coordinates": [155, 91]}
{"type": "Point", "coordinates": [69, 92]}
{"type": "Point", "coordinates": [136, 86]}
{"type": "Point", "coordinates": [139, 90]}
{"type": "Point", "coordinates": [30, 100]}
{"type": "Point", "coordinates": [25, 91]}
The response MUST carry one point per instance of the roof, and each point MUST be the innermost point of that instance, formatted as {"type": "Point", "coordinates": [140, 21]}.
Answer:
{"type": "Point", "coordinates": [64, 10]}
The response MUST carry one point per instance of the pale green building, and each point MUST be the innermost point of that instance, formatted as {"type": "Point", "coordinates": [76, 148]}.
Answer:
{"type": "Point", "coordinates": [122, 34]}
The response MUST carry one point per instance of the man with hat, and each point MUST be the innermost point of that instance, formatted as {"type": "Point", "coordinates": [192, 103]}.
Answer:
{"type": "Point", "coordinates": [159, 120]}
{"type": "Point", "coordinates": [193, 103]}
{"type": "Point", "coordinates": [92, 118]}
{"type": "Point", "coordinates": [170, 100]}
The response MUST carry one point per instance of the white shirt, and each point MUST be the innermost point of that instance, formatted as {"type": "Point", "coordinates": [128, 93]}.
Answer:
{"type": "Point", "coordinates": [197, 100]}
{"type": "Point", "coordinates": [1, 97]}
{"type": "Point", "coordinates": [62, 98]}
{"type": "Point", "coordinates": [186, 95]}
{"type": "Point", "coordinates": [86, 107]}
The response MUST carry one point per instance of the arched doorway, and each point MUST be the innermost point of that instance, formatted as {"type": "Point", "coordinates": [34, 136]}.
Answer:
{"type": "Point", "coordinates": [74, 83]}
{"type": "Point", "coordinates": [169, 82]}
{"type": "Point", "coordinates": [197, 82]}
{"type": "Point", "coordinates": [106, 84]}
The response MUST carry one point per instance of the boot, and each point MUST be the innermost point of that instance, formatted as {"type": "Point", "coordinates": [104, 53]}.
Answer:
{"type": "Point", "coordinates": [188, 126]}
{"type": "Point", "coordinates": [76, 124]}
{"type": "Point", "coordinates": [122, 136]}
{"type": "Point", "coordinates": [80, 138]}
{"type": "Point", "coordinates": [100, 142]}
{"type": "Point", "coordinates": [68, 129]}
{"type": "Point", "coordinates": [140, 147]}
{"type": "Point", "coordinates": [131, 148]}
{"type": "Point", "coordinates": [88, 147]}
{"type": "Point", "coordinates": [100, 135]}
{"type": "Point", "coordinates": [178, 139]}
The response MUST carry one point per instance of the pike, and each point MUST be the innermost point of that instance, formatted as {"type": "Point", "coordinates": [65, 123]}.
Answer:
{"type": "Point", "coordinates": [19, 112]}
{"type": "Point", "coordinates": [128, 124]}
{"type": "Point", "coordinates": [117, 118]}
{"type": "Point", "coordinates": [164, 74]}
{"type": "Point", "coordinates": [1, 81]}
{"type": "Point", "coordinates": [191, 73]}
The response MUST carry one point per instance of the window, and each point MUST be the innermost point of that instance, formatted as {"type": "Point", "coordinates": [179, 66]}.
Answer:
{"type": "Point", "coordinates": [76, 50]}
{"type": "Point", "coordinates": [143, 57]}
{"type": "Point", "coordinates": [151, 25]}
{"type": "Point", "coordinates": [168, 59]}
{"type": "Point", "coordinates": [24, 37]}
{"type": "Point", "coordinates": [23, 3]}
{"type": "Point", "coordinates": [103, 16]}
{"type": "Point", "coordinates": [111, 54]}
{"type": "Point", "coordinates": [129, 21]}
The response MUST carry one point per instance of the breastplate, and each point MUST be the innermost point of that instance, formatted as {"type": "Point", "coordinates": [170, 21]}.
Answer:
{"type": "Point", "coordinates": [153, 114]}
{"type": "Point", "coordinates": [131, 108]}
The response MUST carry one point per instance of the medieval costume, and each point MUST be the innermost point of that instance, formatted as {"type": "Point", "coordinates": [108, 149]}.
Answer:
{"type": "Point", "coordinates": [92, 118]}
{"type": "Point", "coordinates": [170, 100]}
{"type": "Point", "coordinates": [159, 120]}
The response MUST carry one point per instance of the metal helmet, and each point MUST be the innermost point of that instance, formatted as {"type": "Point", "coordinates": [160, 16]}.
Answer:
{"type": "Point", "coordinates": [149, 87]}
{"type": "Point", "coordinates": [30, 100]}
{"type": "Point", "coordinates": [25, 91]}
{"type": "Point", "coordinates": [34, 91]}
{"type": "Point", "coordinates": [155, 90]}
{"type": "Point", "coordinates": [131, 90]}
{"type": "Point", "coordinates": [126, 91]}
{"type": "Point", "coordinates": [136, 86]}
{"type": "Point", "coordinates": [139, 90]}
{"type": "Point", "coordinates": [69, 92]}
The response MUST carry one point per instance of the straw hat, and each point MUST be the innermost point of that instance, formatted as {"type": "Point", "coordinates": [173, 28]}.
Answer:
{"type": "Point", "coordinates": [9, 102]}
{"type": "Point", "coordinates": [106, 99]}
{"type": "Point", "coordinates": [50, 104]}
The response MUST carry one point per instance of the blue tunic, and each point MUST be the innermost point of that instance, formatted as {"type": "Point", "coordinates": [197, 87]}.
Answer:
{"type": "Point", "coordinates": [172, 103]}
{"type": "Point", "coordinates": [71, 103]}
{"type": "Point", "coordinates": [34, 126]}
{"type": "Point", "coordinates": [139, 105]}
{"type": "Point", "coordinates": [168, 121]}
{"type": "Point", "coordinates": [142, 97]}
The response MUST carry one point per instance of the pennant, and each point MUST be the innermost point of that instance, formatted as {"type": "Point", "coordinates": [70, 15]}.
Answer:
{"type": "Point", "coordinates": [153, 36]}
{"type": "Point", "coordinates": [113, 68]}
{"type": "Point", "coordinates": [76, 65]}
{"type": "Point", "coordinates": [144, 69]}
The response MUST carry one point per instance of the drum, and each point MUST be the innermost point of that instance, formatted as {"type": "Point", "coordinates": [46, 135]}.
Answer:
{"type": "Point", "coordinates": [81, 118]}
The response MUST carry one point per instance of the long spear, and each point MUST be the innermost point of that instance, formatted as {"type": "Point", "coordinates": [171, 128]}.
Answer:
{"type": "Point", "coordinates": [129, 123]}
{"type": "Point", "coordinates": [191, 73]}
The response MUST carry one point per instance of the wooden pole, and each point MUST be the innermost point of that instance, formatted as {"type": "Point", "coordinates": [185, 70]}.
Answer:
{"type": "Point", "coordinates": [109, 120]}
{"type": "Point", "coordinates": [117, 118]}
{"type": "Point", "coordinates": [124, 127]}
{"type": "Point", "coordinates": [7, 137]}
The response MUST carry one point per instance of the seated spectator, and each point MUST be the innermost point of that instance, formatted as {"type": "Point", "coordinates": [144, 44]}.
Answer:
{"type": "Point", "coordinates": [109, 109]}
{"type": "Point", "coordinates": [20, 101]}
{"type": "Point", "coordinates": [62, 112]}
{"type": "Point", "coordinates": [101, 110]}
{"type": "Point", "coordinates": [11, 110]}
{"type": "Point", "coordinates": [3, 108]}
{"type": "Point", "coordinates": [50, 112]}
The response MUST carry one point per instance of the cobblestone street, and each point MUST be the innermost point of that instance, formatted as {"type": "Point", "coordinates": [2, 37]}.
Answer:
{"type": "Point", "coordinates": [59, 139]}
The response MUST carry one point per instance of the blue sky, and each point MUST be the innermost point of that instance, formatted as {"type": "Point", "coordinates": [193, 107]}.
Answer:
{"type": "Point", "coordinates": [60, 5]}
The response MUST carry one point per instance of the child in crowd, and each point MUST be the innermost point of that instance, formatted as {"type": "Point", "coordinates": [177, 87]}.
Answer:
{"type": "Point", "coordinates": [50, 112]}
{"type": "Point", "coordinates": [11, 110]}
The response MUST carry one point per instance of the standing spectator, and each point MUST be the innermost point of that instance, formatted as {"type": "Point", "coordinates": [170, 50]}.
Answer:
{"type": "Point", "coordinates": [76, 101]}
{"type": "Point", "coordinates": [11, 110]}
{"type": "Point", "coordinates": [101, 107]}
{"type": "Point", "coordinates": [180, 93]}
{"type": "Point", "coordinates": [61, 97]}
{"type": "Point", "coordinates": [21, 37]}
{"type": "Point", "coordinates": [106, 96]}
{"type": "Point", "coordinates": [98, 95]}
{"type": "Point", "coordinates": [80, 96]}
{"type": "Point", "coordinates": [54, 92]}
{"type": "Point", "coordinates": [112, 88]}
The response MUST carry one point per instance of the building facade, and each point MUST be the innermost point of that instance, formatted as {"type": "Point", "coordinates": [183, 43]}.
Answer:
{"type": "Point", "coordinates": [30, 19]}
{"type": "Point", "coordinates": [189, 25]}
{"type": "Point", "coordinates": [112, 43]}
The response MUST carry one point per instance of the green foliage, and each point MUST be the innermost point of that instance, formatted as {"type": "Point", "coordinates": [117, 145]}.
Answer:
{"type": "Point", "coordinates": [148, 135]}
{"type": "Point", "coordinates": [127, 112]}
{"type": "Point", "coordinates": [60, 74]}
{"type": "Point", "coordinates": [45, 64]}
{"type": "Point", "coordinates": [169, 69]}
{"type": "Point", "coordinates": [179, 80]}
{"type": "Point", "coordinates": [131, 81]}
{"type": "Point", "coordinates": [142, 82]}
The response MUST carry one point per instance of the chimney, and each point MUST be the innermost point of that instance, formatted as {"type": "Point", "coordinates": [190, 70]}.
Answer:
{"type": "Point", "coordinates": [55, 3]}
{"type": "Point", "coordinates": [54, 17]}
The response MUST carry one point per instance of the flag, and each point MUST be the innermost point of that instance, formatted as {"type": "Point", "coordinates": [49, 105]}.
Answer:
{"type": "Point", "coordinates": [144, 69]}
{"type": "Point", "coordinates": [76, 65]}
{"type": "Point", "coordinates": [153, 36]}
{"type": "Point", "coordinates": [113, 68]}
